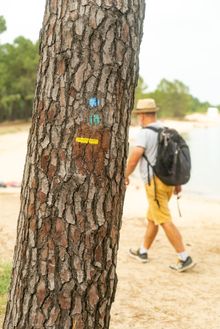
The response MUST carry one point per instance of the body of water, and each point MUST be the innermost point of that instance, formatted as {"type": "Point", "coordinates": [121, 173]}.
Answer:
{"type": "Point", "coordinates": [204, 145]}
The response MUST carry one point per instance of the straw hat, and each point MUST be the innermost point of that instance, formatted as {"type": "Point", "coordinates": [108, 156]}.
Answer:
{"type": "Point", "coordinates": [146, 105]}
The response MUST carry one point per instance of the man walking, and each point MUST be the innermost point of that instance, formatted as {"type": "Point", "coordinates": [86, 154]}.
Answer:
{"type": "Point", "coordinates": [158, 210]}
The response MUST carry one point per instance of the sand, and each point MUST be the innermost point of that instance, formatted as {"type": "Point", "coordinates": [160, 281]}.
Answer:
{"type": "Point", "coordinates": [151, 295]}
{"type": "Point", "coordinates": [148, 295]}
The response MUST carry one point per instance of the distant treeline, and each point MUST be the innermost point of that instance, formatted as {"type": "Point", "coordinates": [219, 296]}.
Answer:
{"type": "Point", "coordinates": [173, 98]}
{"type": "Point", "coordinates": [18, 66]}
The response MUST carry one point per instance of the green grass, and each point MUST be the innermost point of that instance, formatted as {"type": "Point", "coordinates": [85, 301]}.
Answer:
{"type": "Point", "coordinates": [3, 301]}
{"type": "Point", "coordinates": [5, 276]}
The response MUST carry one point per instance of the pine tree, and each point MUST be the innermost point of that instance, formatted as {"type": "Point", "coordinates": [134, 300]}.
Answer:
{"type": "Point", "coordinates": [64, 273]}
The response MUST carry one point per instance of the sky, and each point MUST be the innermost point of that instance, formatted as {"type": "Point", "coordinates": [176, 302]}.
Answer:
{"type": "Point", "coordinates": [180, 41]}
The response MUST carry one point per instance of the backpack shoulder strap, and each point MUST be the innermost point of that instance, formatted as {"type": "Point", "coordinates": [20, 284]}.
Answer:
{"type": "Point", "coordinates": [146, 158]}
{"type": "Point", "coordinates": [157, 130]}
{"type": "Point", "coordinates": [153, 128]}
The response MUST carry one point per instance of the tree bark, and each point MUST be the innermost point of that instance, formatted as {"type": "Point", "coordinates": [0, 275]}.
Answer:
{"type": "Point", "coordinates": [64, 272]}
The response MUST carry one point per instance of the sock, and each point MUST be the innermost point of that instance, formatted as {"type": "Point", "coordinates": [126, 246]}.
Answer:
{"type": "Point", "coordinates": [143, 250]}
{"type": "Point", "coordinates": [182, 255]}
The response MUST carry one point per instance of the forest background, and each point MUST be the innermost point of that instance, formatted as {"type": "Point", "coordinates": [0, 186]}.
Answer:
{"type": "Point", "coordinates": [18, 66]}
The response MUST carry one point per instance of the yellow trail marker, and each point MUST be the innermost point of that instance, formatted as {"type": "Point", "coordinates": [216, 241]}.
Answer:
{"type": "Point", "coordinates": [85, 140]}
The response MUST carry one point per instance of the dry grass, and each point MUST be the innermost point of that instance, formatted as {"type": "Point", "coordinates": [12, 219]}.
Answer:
{"type": "Point", "coordinates": [11, 127]}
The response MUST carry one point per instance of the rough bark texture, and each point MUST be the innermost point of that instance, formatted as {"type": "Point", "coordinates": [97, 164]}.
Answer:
{"type": "Point", "coordinates": [64, 273]}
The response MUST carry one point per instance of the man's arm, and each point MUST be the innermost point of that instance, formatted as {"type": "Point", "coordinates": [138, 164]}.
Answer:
{"type": "Point", "coordinates": [135, 156]}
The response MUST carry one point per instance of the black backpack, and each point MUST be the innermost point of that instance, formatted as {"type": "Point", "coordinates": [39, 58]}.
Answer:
{"type": "Point", "coordinates": [173, 161]}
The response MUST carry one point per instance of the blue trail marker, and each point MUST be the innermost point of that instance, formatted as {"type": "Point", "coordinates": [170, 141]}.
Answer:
{"type": "Point", "coordinates": [94, 102]}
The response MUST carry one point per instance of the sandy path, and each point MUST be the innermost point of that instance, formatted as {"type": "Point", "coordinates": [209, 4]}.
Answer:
{"type": "Point", "coordinates": [9, 208]}
{"type": "Point", "coordinates": [150, 295]}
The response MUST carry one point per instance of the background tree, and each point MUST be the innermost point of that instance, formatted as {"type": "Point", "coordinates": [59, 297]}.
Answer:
{"type": "Point", "coordinates": [18, 66]}
{"type": "Point", "coordinates": [2, 24]}
{"type": "Point", "coordinates": [198, 106]}
{"type": "Point", "coordinates": [140, 91]}
{"type": "Point", "coordinates": [173, 98]}
{"type": "Point", "coordinates": [64, 273]}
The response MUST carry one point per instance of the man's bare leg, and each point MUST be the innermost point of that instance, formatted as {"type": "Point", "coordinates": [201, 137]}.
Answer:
{"type": "Point", "coordinates": [142, 253]}
{"type": "Point", "coordinates": [174, 236]}
{"type": "Point", "coordinates": [150, 234]}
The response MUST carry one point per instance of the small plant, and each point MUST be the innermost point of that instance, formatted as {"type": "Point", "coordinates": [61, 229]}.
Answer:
{"type": "Point", "coordinates": [5, 274]}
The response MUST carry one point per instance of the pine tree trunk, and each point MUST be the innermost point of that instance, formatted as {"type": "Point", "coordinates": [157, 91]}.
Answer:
{"type": "Point", "coordinates": [64, 272]}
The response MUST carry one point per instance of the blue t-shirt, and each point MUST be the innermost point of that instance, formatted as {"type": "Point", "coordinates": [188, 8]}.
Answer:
{"type": "Point", "coordinates": [147, 139]}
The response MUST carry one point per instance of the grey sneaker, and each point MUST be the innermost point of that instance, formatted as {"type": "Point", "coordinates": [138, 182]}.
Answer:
{"type": "Point", "coordinates": [143, 258]}
{"type": "Point", "coordinates": [182, 266]}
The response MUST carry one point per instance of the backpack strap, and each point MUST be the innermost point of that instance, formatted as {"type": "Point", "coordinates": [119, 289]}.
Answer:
{"type": "Point", "coordinates": [148, 168]}
{"type": "Point", "coordinates": [157, 130]}
{"type": "Point", "coordinates": [152, 128]}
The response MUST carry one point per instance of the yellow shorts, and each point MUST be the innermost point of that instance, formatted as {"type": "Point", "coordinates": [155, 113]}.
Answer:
{"type": "Point", "coordinates": [159, 214]}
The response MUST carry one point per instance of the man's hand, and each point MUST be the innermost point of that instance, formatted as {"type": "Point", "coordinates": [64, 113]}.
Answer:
{"type": "Point", "coordinates": [135, 156]}
{"type": "Point", "coordinates": [127, 181]}
{"type": "Point", "coordinates": [177, 189]}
